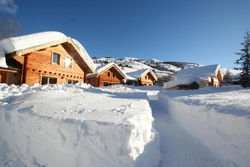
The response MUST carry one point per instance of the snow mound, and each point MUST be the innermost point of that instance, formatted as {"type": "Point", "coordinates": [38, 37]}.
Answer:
{"type": "Point", "coordinates": [181, 81]}
{"type": "Point", "coordinates": [218, 117]}
{"type": "Point", "coordinates": [75, 125]}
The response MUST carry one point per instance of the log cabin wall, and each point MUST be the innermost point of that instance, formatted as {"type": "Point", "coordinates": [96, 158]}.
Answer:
{"type": "Point", "coordinates": [3, 76]}
{"type": "Point", "coordinates": [39, 64]}
{"type": "Point", "coordinates": [147, 80]}
{"type": "Point", "coordinates": [114, 77]}
{"type": "Point", "coordinates": [9, 76]}
{"type": "Point", "coordinates": [94, 81]}
{"type": "Point", "coordinates": [105, 79]}
{"type": "Point", "coordinates": [219, 77]}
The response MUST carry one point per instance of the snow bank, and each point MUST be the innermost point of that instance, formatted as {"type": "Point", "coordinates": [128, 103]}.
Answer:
{"type": "Point", "coordinates": [226, 135]}
{"type": "Point", "coordinates": [75, 125]}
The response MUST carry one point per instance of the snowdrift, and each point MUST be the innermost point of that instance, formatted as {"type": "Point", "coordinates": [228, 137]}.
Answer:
{"type": "Point", "coordinates": [75, 125]}
{"type": "Point", "coordinates": [218, 117]}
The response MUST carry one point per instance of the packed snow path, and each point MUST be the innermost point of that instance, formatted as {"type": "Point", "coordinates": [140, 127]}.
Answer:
{"type": "Point", "coordinates": [178, 148]}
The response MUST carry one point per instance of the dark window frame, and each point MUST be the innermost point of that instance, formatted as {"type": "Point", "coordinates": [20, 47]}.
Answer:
{"type": "Point", "coordinates": [48, 80]}
{"type": "Point", "coordinates": [53, 58]}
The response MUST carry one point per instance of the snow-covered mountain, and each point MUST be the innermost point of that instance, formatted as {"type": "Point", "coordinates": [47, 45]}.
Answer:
{"type": "Point", "coordinates": [161, 68]}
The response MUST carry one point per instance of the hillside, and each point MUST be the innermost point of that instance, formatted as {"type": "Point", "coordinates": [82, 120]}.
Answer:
{"type": "Point", "coordinates": [165, 70]}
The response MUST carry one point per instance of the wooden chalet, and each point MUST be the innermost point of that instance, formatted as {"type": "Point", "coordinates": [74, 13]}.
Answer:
{"type": "Point", "coordinates": [145, 77]}
{"type": "Point", "coordinates": [33, 59]}
{"type": "Point", "coordinates": [109, 74]}
{"type": "Point", "coordinates": [198, 77]}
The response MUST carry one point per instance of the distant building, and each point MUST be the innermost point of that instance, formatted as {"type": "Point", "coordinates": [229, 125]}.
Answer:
{"type": "Point", "coordinates": [145, 77]}
{"type": "Point", "coordinates": [194, 78]}
{"type": "Point", "coordinates": [109, 74]}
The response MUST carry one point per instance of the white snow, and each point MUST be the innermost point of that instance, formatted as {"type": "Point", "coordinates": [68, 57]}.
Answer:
{"type": "Point", "coordinates": [101, 68]}
{"type": "Point", "coordinates": [181, 81]}
{"type": "Point", "coordinates": [14, 44]}
{"type": "Point", "coordinates": [218, 118]}
{"type": "Point", "coordinates": [204, 72]}
{"type": "Point", "coordinates": [76, 125]}
{"type": "Point", "coordinates": [2, 58]}
{"type": "Point", "coordinates": [140, 73]}
{"type": "Point", "coordinates": [84, 54]}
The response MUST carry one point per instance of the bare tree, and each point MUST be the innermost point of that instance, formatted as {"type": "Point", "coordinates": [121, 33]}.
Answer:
{"type": "Point", "coordinates": [227, 78]}
{"type": "Point", "coordinates": [8, 27]}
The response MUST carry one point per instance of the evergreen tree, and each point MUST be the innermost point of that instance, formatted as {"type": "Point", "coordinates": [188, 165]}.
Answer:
{"type": "Point", "coordinates": [244, 61]}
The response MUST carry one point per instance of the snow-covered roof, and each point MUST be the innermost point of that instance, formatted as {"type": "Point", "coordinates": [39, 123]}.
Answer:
{"type": "Point", "coordinates": [140, 73]}
{"type": "Point", "coordinates": [2, 58]}
{"type": "Point", "coordinates": [84, 54]}
{"type": "Point", "coordinates": [181, 81]}
{"type": "Point", "coordinates": [20, 43]}
{"type": "Point", "coordinates": [188, 76]}
{"type": "Point", "coordinates": [102, 68]}
{"type": "Point", "coordinates": [204, 72]}
{"type": "Point", "coordinates": [14, 44]}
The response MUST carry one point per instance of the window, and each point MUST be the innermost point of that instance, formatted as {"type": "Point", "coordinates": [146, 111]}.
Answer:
{"type": "Point", "coordinates": [108, 74]}
{"type": "Point", "coordinates": [56, 58]}
{"type": "Point", "coordinates": [72, 81]}
{"type": "Point", "coordinates": [68, 62]}
{"type": "Point", "coordinates": [105, 84]}
{"type": "Point", "coordinates": [44, 80]}
{"type": "Point", "coordinates": [113, 75]}
{"type": "Point", "coordinates": [48, 80]}
{"type": "Point", "coordinates": [146, 77]}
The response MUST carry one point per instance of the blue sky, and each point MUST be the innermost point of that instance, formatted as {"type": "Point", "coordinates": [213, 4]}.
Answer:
{"type": "Point", "coordinates": [199, 31]}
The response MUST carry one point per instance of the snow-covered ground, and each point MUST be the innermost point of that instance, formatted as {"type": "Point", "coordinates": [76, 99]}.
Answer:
{"type": "Point", "coordinates": [75, 125]}
{"type": "Point", "coordinates": [78, 125]}
{"type": "Point", "coordinates": [216, 117]}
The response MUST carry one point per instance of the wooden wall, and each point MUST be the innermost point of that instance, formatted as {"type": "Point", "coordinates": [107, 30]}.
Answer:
{"type": "Point", "coordinates": [99, 80]}
{"type": "Point", "coordinates": [9, 77]}
{"type": "Point", "coordinates": [147, 80]}
{"type": "Point", "coordinates": [39, 63]}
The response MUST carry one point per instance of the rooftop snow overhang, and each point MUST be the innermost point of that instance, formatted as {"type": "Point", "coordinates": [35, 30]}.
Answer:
{"type": "Point", "coordinates": [69, 47]}
{"type": "Point", "coordinates": [106, 67]}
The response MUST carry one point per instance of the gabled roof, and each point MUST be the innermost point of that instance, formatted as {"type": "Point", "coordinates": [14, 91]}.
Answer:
{"type": "Point", "coordinates": [140, 73]}
{"type": "Point", "coordinates": [102, 68]}
{"type": "Point", "coordinates": [204, 72]}
{"type": "Point", "coordinates": [181, 81]}
{"type": "Point", "coordinates": [187, 76]}
{"type": "Point", "coordinates": [28, 43]}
